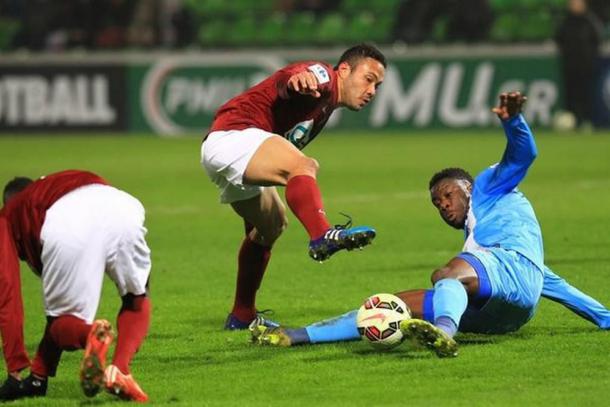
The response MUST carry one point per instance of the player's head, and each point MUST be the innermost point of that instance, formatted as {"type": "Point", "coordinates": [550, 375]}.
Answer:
{"type": "Point", "coordinates": [450, 193]}
{"type": "Point", "coordinates": [360, 70]}
{"type": "Point", "coordinates": [13, 187]}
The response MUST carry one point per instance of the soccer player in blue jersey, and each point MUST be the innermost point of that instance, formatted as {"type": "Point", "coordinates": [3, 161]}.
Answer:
{"type": "Point", "coordinates": [495, 284]}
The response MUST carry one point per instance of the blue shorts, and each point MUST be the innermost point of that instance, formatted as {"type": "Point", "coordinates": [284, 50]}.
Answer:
{"type": "Point", "coordinates": [510, 288]}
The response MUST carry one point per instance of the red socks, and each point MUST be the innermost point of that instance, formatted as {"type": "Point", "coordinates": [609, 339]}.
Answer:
{"type": "Point", "coordinates": [252, 263]}
{"type": "Point", "coordinates": [305, 200]}
{"type": "Point", "coordinates": [132, 326]}
{"type": "Point", "coordinates": [69, 332]}
{"type": "Point", "coordinates": [66, 332]}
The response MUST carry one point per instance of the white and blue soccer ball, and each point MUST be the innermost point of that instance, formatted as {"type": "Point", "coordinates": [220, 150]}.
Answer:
{"type": "Point", "coordinates": [379, 319]}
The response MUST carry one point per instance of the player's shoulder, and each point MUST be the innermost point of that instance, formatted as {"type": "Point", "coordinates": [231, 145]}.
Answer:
{"type": "Point", "coordinates": [70, 173]}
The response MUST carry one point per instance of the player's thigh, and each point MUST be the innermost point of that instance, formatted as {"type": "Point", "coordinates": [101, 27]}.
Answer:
{"type": "Point", "coordinates": [460, 269]}
{"type": "Point", "coordinates": [73, 257]}
{"type": "Point", "coordinates": [128, 264]}
{"type": "Point", "coordinates": [275, 161]}
{"type": "Point", "coordinates": [266, 212]}
{"type": "Point", "coordinates": [515, 286]}
{"type": "Point", "coordinates": [226, 154]}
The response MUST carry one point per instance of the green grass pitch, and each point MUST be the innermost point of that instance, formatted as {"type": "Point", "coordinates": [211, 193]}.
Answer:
{"type": "Point", "coordinates": [381, 180]}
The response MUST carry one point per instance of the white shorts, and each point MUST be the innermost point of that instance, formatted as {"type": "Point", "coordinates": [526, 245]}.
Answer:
{"type": "Point", "coordinates": [89, 231]}
{"type": "Point", "coordinates": [225, 156]}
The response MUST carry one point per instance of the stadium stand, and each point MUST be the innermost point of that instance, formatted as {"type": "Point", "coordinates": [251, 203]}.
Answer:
{"type": "Point", "coordinates": [97, 24]}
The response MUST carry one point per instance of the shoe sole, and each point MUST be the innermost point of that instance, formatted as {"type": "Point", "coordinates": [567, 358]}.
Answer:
{"type": "Point", "coordinates": [359, 239]}
{"type": "Point", "coordinates": [92, 369]}
{"type": "Point", "coordinates": [92, 375]}
{"type": "Point", "coordinates": [429, 336]}
{"type": "Point", "coordinates": [356, 240]}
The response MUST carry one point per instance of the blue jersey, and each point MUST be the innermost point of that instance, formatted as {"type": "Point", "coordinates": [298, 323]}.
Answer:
{"type": "Point", "coordinates": [500, 215]}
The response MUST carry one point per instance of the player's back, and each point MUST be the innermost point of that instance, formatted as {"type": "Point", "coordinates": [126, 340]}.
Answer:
{"type": "Point", "coordinates": [26, 210]}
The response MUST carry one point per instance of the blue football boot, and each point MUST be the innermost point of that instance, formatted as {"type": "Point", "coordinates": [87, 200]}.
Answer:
{"type": "Point", "coordinates": [340, 237]}
{"type": "Point", "coordinates": [234, 324]}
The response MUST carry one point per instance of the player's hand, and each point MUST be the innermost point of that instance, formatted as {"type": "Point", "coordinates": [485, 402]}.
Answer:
{"type": "Point", "coordinates": [304, 83]}
{"type": "Point", "coordinates": [510, 105]}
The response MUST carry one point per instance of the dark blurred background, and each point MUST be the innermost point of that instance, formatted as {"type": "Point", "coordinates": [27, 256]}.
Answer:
{"type": "Point", "coordinates": [207, 24]}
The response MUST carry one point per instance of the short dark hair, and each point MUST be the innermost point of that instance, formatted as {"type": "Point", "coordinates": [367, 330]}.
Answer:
{"type": "Point", "coordinates": [452, 173]}
{"type": "Point", "coordinates": [360, 51]}
{"type": "Point", "coordinates": [14, 186]}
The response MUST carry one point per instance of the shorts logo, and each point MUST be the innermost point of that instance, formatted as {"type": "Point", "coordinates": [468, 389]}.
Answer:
{"type": "Point", "coordinates": [299, 134]}
{"type": "Point", "coordinates": [320, 73]}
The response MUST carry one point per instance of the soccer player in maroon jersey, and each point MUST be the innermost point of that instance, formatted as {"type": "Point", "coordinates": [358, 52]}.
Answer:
{"type": "Point", "coordinates": [254, 144]}
{"type": "Point", "coordinates": [71, 227]}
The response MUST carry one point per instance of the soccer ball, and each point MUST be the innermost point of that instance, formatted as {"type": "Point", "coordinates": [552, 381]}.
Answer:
{"type": "Point", "coordinates": [379, 318]}
{"type": "Point", "coordinates": [564, 121]}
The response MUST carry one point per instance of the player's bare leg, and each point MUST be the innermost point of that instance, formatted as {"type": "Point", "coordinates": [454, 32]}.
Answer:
{"type": "Point", "coordinates": [265, 218]}
{"type": "Point", "coordinates": [278, 162]}
{"type": "Point", "coordinates": [266, 213]}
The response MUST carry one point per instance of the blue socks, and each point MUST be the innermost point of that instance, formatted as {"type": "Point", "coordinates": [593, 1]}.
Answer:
{"type": "Point", "coordinates": [447, 325]}
{"type": "Point", "coordinates": [298, 336]}
{"type": "Point", "coordinates": [449, 302]}
{"type": "Point", "coordinates": [341, 328]}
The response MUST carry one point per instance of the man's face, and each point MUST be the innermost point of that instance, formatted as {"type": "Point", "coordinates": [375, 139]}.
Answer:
{"type": "Point", "coordinates": [451, 197]}
{"type": "Point", "coordinates": [359, 84]}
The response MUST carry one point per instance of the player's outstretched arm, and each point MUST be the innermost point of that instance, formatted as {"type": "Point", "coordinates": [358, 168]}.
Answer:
{"type": "Point", "coordinates": [510, 105]}
{"type": "Point", "coordinates": [557, 289]}
{"type": "Point", "coordinates": [520, 150]}
{"type": "Point", "coordinates": [304, 83]}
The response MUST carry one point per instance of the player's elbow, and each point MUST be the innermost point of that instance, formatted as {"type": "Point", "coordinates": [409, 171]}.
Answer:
{"type": "Point", "coordinates": [534, 153]}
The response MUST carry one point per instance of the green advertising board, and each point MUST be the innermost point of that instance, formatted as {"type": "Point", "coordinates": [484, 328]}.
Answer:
{"type": "Point", "coordinates": [180, 95]}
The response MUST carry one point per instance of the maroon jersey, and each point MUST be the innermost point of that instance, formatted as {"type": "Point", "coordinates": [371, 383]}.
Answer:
{"type": "Point", "coordinates": [25, 212]}
{"type": "Point", "coordinates": [272, 107]}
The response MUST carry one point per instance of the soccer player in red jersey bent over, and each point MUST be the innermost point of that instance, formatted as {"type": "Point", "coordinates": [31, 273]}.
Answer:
{"type": "Point", "coordinates": [255, 143]}
{"type": "Point", "coordinates": [71, 227]}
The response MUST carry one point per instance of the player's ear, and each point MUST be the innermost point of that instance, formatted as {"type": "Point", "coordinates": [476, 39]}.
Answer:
{"type": "Point", "coordinates": [344, 69]}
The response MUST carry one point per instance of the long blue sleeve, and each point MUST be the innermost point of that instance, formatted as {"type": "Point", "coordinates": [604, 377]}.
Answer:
{"type": "Point", "coordinates": [518, 156]}
{"type": "Point", "coordinates": [557, 289]}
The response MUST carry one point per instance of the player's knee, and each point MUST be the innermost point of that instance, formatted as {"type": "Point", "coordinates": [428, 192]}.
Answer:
{"type": "Point", "coordinates": [268, 234]}
{"type": "Point", "coordinates": [440, 274]}
{"type": "Point", "coordinates": [305, 166]}
{"type": "Point", "coordinates": [278, 227]}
